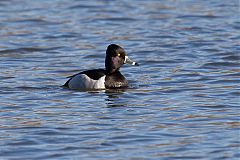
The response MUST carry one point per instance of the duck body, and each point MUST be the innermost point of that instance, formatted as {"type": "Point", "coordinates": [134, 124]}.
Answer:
{"type": "Point", "coordinates": [96, 79]}
{"type": "Point", "coordinates": [107, 78]}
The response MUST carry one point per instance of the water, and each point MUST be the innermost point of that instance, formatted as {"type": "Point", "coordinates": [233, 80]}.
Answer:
{"type": "Point", "coordinates": [182, 103]}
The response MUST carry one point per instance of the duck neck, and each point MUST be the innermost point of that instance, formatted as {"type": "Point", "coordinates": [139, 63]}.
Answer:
{"type": "Point", "coordinates": [113, 64]}
{"type": "Point", "coordinates": [109, 67]}
{"type": "Point", "coordinates": [110, 71]}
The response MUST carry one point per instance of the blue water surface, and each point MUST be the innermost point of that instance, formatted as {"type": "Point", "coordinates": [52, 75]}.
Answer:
{"type": "Point", "coordinates": [182, 102]}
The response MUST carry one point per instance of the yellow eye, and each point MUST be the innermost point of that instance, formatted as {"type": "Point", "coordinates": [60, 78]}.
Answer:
{"type": "Point", "coordinates": [118, 54]}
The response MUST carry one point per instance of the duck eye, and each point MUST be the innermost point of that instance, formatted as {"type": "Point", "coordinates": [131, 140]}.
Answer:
{"type": "Point", "coordinates": [118, 54]}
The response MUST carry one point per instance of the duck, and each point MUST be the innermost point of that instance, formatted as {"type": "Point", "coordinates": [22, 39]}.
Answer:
{"type": "Point", "coordinates": [108, 78]}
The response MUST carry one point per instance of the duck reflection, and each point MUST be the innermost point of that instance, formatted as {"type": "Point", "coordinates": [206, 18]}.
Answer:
{"type": "Point", "coordinates": [114, 98]}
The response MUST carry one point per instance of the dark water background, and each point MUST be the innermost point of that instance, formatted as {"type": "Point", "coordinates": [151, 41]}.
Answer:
{"type": "Point", "coordinates": [182, 103]}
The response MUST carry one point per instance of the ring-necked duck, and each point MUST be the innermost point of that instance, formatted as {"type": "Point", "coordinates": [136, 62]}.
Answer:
{"type": "Point", "coordinates": [110, 77]}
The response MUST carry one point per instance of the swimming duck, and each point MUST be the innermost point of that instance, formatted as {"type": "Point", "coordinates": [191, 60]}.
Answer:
{"type": "Point", "coordinates": [107, 78]}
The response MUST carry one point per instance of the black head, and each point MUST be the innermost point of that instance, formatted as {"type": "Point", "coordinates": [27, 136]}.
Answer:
{"type": "Point", "coordinates": [115, 57]}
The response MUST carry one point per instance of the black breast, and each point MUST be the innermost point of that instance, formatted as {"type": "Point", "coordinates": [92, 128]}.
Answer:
{"type": "Point", "coordinates": [115, 80]}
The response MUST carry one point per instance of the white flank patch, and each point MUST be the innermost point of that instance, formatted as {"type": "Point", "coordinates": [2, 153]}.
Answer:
{"type": "Point", "coordinates": [82, 81]}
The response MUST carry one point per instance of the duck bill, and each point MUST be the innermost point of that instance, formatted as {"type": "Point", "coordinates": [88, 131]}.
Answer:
{"type": "Point", "coordinates": [129, 61]}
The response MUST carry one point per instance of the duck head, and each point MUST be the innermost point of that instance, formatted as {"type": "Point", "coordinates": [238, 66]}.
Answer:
{"type": "Point", "coordinates": [115, 58]}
